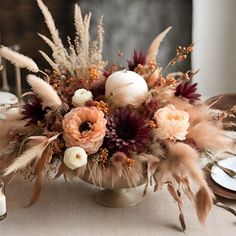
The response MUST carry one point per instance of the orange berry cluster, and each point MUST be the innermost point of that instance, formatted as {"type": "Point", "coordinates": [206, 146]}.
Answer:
{"type": "Point", "coordinates": [103, 155]}
{"type": "Point", "coordinates": [94, 73]}
{"type": "Point", "coordinates": [100, 105]}
{"type": "Point", "coordinates": [152, 124]}
{"type": "Point", "coordinates": [130, 162]}
{"type": "Point", "coordinates": [182, 53]}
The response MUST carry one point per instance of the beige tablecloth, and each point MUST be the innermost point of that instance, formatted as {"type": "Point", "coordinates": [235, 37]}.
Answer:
{"type": "Point", "coordinates": [69, 209]}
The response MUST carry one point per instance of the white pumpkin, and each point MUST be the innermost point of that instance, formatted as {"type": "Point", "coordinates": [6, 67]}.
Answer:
{"type": "Point", "coordinates": [126, 88]}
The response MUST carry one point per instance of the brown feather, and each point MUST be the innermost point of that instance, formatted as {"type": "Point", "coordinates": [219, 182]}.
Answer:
{"type": "Point", "coordinates": [46, 156]}
{"type": "Point", "coordinates": [203, 203]}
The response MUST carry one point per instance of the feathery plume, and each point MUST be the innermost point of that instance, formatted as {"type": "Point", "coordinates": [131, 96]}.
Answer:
{"type": "Point", "coordinates": [48, 41]}
{"type": "Point", "coordinates": [18, 59]}
{"type": "Point", "coordinates": [50, 61]}
{"type": "Point", "coordinates": [27, 156]}
{"type": "Point", "coordinates": [36, 147]}
{"type": "Point", "coordinates": [100, 33]}
{"type": "Point", "coordinates": [153, 49]}
{"type": "Point", "coordinates": [82, 30]}
{"type": "Point", "coordinates": [59, 50]}
{"type": "Point", "coordinates": [45, 91]}
{"type": "Point", "coordinates": [50, 24]}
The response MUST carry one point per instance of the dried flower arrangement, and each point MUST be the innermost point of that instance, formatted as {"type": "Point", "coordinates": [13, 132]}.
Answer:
{"type": "Point", "coordinates": [137, 124]}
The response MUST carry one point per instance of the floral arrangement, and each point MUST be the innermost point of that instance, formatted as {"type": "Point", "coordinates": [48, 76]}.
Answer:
{"type": "Point", "coordinates": [137, 123]}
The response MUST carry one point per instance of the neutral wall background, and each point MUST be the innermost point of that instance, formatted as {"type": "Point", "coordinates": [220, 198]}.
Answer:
{"type": "Point", "coordinates": [129, 24]}
{"type": "Point", "coordinates": [214, 32]}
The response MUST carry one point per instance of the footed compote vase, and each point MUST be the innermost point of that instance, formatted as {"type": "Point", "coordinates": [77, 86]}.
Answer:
{"type": "Point", "coordinates": [115, 194]}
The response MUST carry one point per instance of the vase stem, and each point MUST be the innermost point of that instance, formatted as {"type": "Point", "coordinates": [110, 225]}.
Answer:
{"type": "Point", "coordinates": [118, 198]}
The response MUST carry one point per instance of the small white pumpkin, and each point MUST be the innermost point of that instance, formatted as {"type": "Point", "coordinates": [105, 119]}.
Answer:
{"type": "Point", "coordinates": [126, 88]}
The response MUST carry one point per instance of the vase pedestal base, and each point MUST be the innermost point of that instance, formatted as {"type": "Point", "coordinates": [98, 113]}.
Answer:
{"type": "Point", "coordinates": [118, 198]}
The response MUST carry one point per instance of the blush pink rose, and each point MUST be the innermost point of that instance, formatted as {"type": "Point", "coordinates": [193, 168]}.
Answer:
{"type": "Point", "coordinates": [171, 123]}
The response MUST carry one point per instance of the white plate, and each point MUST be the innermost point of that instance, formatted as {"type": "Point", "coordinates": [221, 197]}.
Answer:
{"type": "Point", "coordinates": [223, 179]}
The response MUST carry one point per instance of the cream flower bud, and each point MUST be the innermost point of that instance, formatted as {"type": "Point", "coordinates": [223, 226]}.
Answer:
{"type": "Point", "coordinates": [172, 124]}
{"type": "Point", "coordinates": [75, 157]}
{"type": "Point", "coordinates": [81, 96]}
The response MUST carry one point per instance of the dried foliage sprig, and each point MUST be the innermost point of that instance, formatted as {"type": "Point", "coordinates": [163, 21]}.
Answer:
{"type": "Point", "coordinates": [88, 53]}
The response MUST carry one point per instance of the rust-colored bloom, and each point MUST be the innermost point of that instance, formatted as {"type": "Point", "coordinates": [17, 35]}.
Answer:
{"type": "Point", "coordinates": [84, 127]}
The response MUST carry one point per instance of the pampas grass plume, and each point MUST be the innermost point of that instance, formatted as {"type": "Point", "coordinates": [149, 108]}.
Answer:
{"type": "Point", "coordinates": [45, 91]}
{"type": "Point", "coordinates": [18, 59]}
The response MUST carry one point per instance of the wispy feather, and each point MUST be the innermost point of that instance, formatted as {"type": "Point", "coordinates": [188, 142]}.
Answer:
{"type": "Point", "coordinates": [48, 41]}
{"type": "Point", "coordinates": [45, 91]}
{"type": "Point", "coordinates": [50, 61]}
{"type": "Point", "coordinates": [35, 149]}
{"type": "Point", "coordinates": [153, 49]}
{"type": "Point", "coordinates": [18, 59]}
{"type": "Point", "coordinates": [26, 157]}
{"type": "Point", "coordinates": [55, 53]}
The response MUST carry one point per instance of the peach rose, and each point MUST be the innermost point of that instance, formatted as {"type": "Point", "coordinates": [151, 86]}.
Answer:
{"type": "Point", "coordinates": [84, 127]}
{"type": "Point", "coordinates": [171, 123]}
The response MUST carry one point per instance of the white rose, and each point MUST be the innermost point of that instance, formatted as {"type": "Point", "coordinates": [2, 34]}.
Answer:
{"type": "Point", "coordinates": [75, 157]}
{"type": "Point", "coordinates": [81, 96]}
{"type": "Point", "coordinates": [171, 123]}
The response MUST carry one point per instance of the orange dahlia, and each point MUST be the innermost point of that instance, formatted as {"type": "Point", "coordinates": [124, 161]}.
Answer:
{"type": "Point", "coordinates": [84, 127]}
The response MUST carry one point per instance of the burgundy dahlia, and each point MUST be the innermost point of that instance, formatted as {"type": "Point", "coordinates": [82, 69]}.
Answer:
{"type": "Point", "coordinates": [33, 110]}
{"type": "Point", "coordinates": [127, 131]}
{"type": "Point", "coordinates": [188, 90]}
{"type": "Point", "coordinates": [137, 58]}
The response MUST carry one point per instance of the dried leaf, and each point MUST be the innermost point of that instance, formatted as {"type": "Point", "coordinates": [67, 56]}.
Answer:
{"type": "Point", "coordinates": [45, 159]}
{"type": "Point", "coordinates": [203, 203]}
{"type": "Point", "coordinates": [60, 170]}
{"type": "Point", "coordinates": [178, 199]}
{"type": "Point", "coordinates": [36, 190]}
{"type": "Point", "coordinates": [187, 190]}
{"type": "Point", "coordinates": [182, 221]}
{"type": "Point", "coordinates": [46, 156]}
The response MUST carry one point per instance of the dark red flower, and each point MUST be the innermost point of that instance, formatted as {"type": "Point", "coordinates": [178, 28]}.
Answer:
{"type": "Point", "coordinates": [137, 58]}
{"type": "Point", "coordinates": [33, 110]}
{"type": "Point", "coordinates": [127, 131]}
{"type": "Point", "coordinates": [150, 107]}
{"type": "Point", "coordinates": [188, 90]}
{"type": "Point", "coordinates": [97, 88]}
